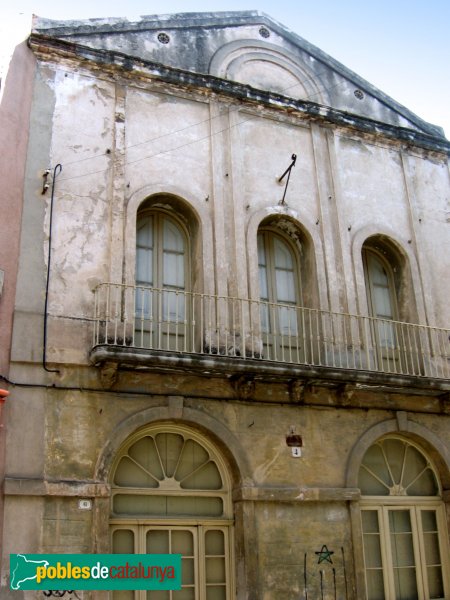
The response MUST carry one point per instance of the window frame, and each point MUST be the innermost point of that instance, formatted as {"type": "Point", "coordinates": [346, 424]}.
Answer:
{"type": "Point", "coordinates": [289, 346]}
{"type": "Point", "coordinates": [385, 332]}
{"type": "Point", "coordinates": [382, 505]}
{"type": "Point", "coordinates": [414, 506]}
{"type": "Point", "coordinates": [160, 214]}
{"type": "Point", "coordinates": [158, 330]}
{"type": "Point", "coordinates": [140, 524]}
{"type": "Point", "coordinates": [366, 252]}
{"type": "Point", "coordinates": [269, 234]}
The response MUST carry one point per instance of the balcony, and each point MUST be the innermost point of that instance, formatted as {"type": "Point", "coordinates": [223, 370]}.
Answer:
{"type": "Point", "coordinates": [140, 324]}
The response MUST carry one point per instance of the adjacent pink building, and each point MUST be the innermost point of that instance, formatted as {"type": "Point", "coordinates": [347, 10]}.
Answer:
{"type": "Point", "coordinates": [15, 105]}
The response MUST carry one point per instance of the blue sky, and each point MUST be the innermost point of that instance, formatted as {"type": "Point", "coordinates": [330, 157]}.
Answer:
{"type": "Point", "coordinates": [400, 46]}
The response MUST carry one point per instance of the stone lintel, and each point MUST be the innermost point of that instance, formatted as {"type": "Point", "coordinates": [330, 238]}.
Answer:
{"type": "Point", "coordinates": [40, 487]}
{"type": "Point", "coordinates": [297, 494]}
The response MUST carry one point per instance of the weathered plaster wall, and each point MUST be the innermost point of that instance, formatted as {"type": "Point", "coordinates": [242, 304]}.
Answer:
{"type": "Point", "coordinates": [166, 139]}
{"type": "Point", "coordinates": [429, 196]}
{"type": "Point", "coordinates": [84, 119]}
{"type": "Point", "coordinates": [264, 148]}
{"type": "Point", "coordinates": [285, 550]}
{"type": "Point", "coordinates": [120, 143]}
{"type": "Point", "coordinates": [292, 522]}
{"type": "Point", "coordinates": [372, 185]}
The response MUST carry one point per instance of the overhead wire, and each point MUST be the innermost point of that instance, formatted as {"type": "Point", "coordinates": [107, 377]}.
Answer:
{"type": "Point", "coordinates": [320, 90]}
{"type": "Point", "coordinates": [182, 129]}
{"type": "Point", "coordinates": [208, 120]}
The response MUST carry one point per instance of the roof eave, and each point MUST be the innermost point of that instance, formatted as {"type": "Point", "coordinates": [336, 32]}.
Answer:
{"type": "Point", "coordinates": [63, 29]}
{"type": "Point", "coordinates": [46, 46]}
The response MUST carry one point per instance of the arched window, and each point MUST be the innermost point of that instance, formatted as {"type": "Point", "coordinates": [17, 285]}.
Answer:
{"type": "Point", "coordinates": [381, 297]}
{"type": "Point", "coordinates": [397, 345]}
{"type": "Point", "coordinates": [162, 280]}
{"type": "Point", "coordinates": [403, 524]}
{"type": "Point", "coordinates": [171, 494]}
{"type": "Point", "coordinates": [280, 294]}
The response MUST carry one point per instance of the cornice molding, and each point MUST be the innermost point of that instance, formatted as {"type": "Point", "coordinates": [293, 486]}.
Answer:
{"type": "Point", "coordinates": [51, 49]}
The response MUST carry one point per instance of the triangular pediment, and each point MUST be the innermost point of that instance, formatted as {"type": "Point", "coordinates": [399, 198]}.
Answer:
{"type": "Point", "coordinates": [247, 47]}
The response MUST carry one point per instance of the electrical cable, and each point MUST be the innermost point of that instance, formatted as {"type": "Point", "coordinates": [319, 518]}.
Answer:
{"type": "Point", "coordinates": [176, 131]}
{"type": "Point", "coordinates": [56, 170]}
{"type": "Point", "coordinates": [208, 120]}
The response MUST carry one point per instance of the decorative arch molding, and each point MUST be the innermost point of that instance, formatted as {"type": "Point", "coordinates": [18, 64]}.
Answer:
{"type": "Point", "coordinates": [403, 248]}
{"type": "Point", "coordinates": [233, 57]}
{"type": "Point", "coordinates": [429, 441]}
{"type": "Point", "coordinates": [225, 441]}
{"type": "Point", "coordinates": [309, 231]}
{"type": "Point", "coordinates": [197, 211]}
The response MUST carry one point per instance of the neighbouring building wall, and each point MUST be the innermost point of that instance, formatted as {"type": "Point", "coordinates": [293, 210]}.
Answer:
{"type": "Point", "coordinates": [15, 104]}
{"type": "Point", "coordinates": [14, 114]}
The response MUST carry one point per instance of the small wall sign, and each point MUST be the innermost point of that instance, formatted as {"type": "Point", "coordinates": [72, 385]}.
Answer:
{"type": "Point", "coordinates": [85, 504]}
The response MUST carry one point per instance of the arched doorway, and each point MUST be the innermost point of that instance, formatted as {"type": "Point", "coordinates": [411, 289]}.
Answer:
{"type": "Point", "coordinates": [405, 541]}
{"type": "Point", "coordinates": [170, 493]}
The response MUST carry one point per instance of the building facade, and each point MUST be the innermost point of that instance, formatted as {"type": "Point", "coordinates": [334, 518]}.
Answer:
{"type": "Point", "coordinates": [229, 336]}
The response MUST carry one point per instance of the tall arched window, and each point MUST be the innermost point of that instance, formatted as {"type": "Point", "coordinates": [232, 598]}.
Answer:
{"type": "Point", "coordinates": [397, 345]}
{"type": "Point", "coordinates": [394, 345]}
{"type": "Point", "coordinates": [381, 295]}
{"type": "Point", "coordinates": [403, 524]}
{"type": "Point", "coordinates": [171, 494]}
{"type": "Point", "coordinates": [280, 294]}
{"type": "Point", "coordinates": [162, 279]}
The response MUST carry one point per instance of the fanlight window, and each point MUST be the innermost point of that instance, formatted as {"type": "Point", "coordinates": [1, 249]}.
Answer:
{"type": "Point", "coordinates": [403, 524]}
{"type": "Point", "coordinates": [170, 494]}
{"type": "Point", "coordinates": [393, 467]}
{"type": "Point", "coordinates": [165, 474]}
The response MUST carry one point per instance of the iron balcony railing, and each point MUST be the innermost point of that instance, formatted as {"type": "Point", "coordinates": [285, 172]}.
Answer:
{"type": "Point", "coordinates": [192, 323]}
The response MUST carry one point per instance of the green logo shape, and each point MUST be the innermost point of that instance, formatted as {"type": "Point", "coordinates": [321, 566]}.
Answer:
{"type": "Point", "coordinates": [95, 571]}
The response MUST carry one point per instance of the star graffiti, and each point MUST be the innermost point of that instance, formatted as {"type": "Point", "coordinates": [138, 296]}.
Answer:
{"type": "Point", "coordinates": [324, 555]}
